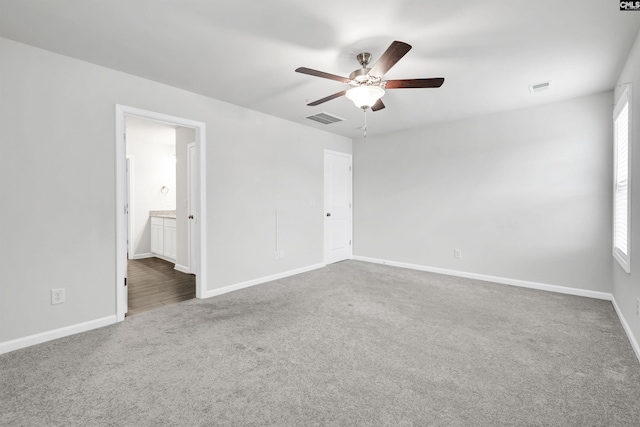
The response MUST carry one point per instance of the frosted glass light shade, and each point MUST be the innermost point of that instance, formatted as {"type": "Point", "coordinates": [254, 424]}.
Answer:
{"type": "Point", "coordinates": [364, 96]}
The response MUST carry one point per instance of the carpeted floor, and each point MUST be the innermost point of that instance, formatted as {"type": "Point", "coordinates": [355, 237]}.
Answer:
{"type": "Point", "coordinates": [347, 345]}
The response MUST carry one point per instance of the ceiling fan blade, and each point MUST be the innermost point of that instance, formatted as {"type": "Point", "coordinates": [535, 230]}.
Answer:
{"type": "Point", "coordinates": [327, 98]}
{"type": "Point", "coordinates": [322, 74]}
{"type": "Point", "coordinates": [389, 58]}
{"type": "Point", "coordinates": [379, 105]}
{"type": "Point", "coordinates": [414, 83]}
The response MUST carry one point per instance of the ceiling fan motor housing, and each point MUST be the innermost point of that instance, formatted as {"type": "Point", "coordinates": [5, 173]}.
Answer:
{"type": "Point", "coordinates": [359, 76]}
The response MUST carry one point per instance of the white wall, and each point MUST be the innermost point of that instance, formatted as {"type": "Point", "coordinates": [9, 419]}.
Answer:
{"type": "Point", "coordinates": [626, 287]}
{"type": "Point", "coordinates": [152, 147]}
{"type": "Point", "coordinates": [57, 172]}
{"type": "Point", "coordinates": [524, 194]}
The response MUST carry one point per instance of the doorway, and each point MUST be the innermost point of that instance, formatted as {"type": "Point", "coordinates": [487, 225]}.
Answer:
{"type": "Point", "coordinates": [179, 254]}
{"type": "Point", "coordinates": [338, 207]}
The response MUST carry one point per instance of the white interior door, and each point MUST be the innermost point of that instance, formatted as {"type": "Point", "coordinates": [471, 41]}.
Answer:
{"type": "Point", "coordinates": [191, 198]}
{"type": "Point", "coordinates": [337, 205]}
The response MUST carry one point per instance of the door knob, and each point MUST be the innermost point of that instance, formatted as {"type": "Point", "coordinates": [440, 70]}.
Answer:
{"type": "Point", "coordinates": [190, 216]}
{"type": "Point", "coordinates": [328, 214]}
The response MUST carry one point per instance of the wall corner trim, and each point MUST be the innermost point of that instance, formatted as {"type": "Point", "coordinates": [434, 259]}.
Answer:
{"type": "Point", "coordinates": [16, 344]}
{"type": "Point", "coordinates": [627, 329]}
{"type": "Point", "coordinates": [495, 279]}
{"type": "Point", "coordinates": [253, 282]}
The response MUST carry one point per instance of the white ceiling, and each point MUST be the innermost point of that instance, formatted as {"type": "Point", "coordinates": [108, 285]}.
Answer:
{"type": "Point", "coordinates": [245, 51]}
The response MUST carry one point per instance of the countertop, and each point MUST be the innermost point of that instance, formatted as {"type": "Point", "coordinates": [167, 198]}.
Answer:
{"type": "Point", "coordinates": [163, 214]}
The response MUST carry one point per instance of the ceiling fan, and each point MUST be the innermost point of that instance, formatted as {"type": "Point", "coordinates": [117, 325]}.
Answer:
{"type": "Point", "coordinates": [367, 86]}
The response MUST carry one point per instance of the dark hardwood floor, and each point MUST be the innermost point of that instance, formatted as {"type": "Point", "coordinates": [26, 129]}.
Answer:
{"type": "Point", "coordinates": [154, 283]}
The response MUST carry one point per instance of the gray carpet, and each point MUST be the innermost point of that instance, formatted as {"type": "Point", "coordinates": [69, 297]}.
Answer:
{"type": "Point", "coordinates": [348, 345]}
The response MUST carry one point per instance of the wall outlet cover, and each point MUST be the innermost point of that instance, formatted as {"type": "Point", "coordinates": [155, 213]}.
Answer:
{"type": "Point", "coordinates": [57, 296]}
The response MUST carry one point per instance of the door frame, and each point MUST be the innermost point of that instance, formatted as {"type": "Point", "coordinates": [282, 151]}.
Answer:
{"type": "Point", "coordinates": [121, 112]}
{"type": "Point", "coordinates": [324, 236]}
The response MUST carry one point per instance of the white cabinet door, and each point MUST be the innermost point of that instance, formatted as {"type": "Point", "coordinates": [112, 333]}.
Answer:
{"type": "Point", "coordinates": [163, 238]}
{"type": "Point", "coordinates": [157, 239]}
{"type": "Point", "coordinates": [170, 240]}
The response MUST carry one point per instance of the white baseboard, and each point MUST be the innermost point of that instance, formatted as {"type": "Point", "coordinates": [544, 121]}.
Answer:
{"type": "Point", "coordinates": [142, 256]}
{"type": "Point", "coordinates": [7, 346]}
{"type": "Point", "coordinates": [627, 329]}
{"type": "Point", "coordinates": [166, 258]}
{"type": "Point", "coordinates": [182, 268]}
{"type": "Point", "coordinates": [495, 279]}
{"type": "Point", "coordinates": [249, 283]}
{"type": "Point", "coordinates": [153, 255]}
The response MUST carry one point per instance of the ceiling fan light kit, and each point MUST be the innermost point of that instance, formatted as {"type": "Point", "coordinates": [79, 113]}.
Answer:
{"type": "Point", "coordinates": [364, 96]}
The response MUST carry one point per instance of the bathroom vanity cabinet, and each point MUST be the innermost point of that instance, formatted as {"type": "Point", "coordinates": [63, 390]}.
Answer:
{"type": "Point", "coordinates": [163, 237]}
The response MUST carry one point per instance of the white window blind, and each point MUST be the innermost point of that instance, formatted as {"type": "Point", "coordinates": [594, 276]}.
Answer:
{"type": "Point", "coordinates": [621, 192]}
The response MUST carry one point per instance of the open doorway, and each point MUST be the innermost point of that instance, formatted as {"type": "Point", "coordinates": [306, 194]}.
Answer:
{"type": "Point", "coordinates": [158, 264]}
{"type": "Point", "coordinates": [160, 192]}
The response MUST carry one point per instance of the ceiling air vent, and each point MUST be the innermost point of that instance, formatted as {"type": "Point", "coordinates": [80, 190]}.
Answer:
{"type": "Point", "coordinates": [325, 118]}
{"type": "Point", "coordinates": [540, 87]}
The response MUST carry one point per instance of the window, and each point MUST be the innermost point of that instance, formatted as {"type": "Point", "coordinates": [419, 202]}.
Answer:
{"type": "Point", "coordinates": [621, 193]}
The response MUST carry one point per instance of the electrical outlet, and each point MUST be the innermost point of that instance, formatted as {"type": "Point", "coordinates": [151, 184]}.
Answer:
{"type": "Point", "coordinates": [57, 296]}
{"type": "Point", "coordinates": [457, 253]}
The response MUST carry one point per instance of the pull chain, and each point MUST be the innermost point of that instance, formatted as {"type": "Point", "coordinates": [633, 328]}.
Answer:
{"type": "Point", "coordinates": [364, 129]}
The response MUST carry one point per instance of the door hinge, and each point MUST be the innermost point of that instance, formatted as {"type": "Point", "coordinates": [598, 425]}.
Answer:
{"type": "Point", "coordinates": [125, 281]}
{"type": "Point", "coordinates": [349, 242]}
{"type": "Point", "coordinates": [349, 168]}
